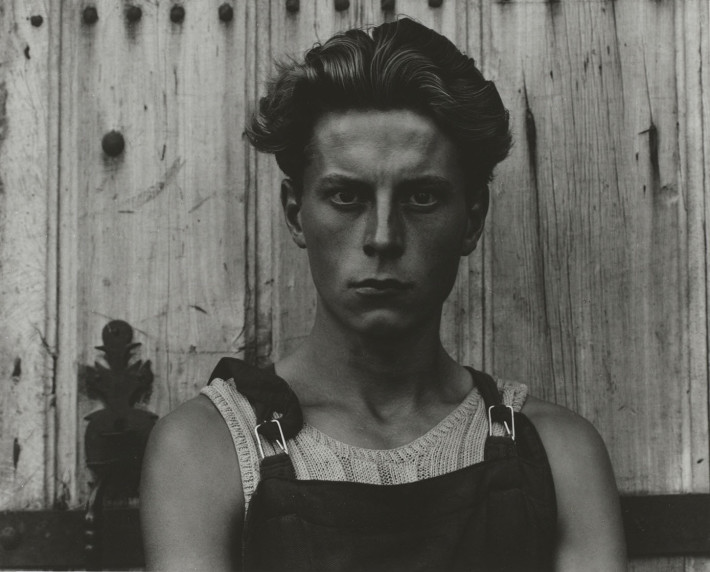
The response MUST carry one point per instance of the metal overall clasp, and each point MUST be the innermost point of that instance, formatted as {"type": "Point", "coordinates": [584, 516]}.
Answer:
{"type": "Point", "coordinates": [281, 443]}
{"type": "Point", "coordinates": [509, 428]}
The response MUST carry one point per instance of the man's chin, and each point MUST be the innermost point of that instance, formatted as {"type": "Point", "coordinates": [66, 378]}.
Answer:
{"type": "Point", "coordinates": [385, 327]}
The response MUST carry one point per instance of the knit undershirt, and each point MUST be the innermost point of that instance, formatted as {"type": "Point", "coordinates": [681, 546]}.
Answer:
{"type": "Point", "coordinates": [454, 443]}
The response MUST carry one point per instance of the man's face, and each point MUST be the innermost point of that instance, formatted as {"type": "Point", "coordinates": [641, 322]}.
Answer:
{"type": "Point", "coordinates": [384, 219]}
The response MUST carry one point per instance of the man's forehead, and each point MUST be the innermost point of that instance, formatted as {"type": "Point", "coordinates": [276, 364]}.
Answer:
{"type": "Point", "coordinates": [388, 126]}
{"type": "Point", "coordinates": [373, 135]}
{"type": "Point", "coordinates": [380, 146]}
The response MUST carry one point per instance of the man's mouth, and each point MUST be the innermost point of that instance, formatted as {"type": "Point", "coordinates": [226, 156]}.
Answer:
{"type": "Point", "coordinates": [382, 285]}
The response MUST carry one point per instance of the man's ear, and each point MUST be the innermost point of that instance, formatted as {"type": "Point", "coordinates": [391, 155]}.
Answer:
{"type": "Point", "coordinates": [291, 203]}
{"type": "Point", "coordinates": [476, 219]}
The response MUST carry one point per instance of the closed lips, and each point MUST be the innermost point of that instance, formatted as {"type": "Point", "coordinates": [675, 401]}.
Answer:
{"type": "Point", "coordinates": [386, 284]}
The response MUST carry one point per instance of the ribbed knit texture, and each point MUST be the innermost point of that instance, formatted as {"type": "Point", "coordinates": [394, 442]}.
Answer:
{"type": "Point", "coordinates": [456, 442]}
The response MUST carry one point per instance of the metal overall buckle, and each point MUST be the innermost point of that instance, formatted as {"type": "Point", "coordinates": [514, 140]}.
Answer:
{"type": "Point", "coordinates": [510, 429]}
{"type": "Point", "coordinates": [281, 443]}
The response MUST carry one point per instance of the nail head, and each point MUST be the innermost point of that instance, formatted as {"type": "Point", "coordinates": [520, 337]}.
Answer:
{"type": "Point", "coordinates": [435, 3]}
{"type": "Point", "coordinates": [226, 13]}
{"type": "Point", "coordinates": [113, 144]}
{"type": "Point", "coordinates": [36, 20]}
{"type": "Point", "coordinates": [177, 13]}
{"type": "Point", "coordinates": [342, 5]}
{"type": "Point", "coordinates": [90, 15]}
{"type": "Point", "coordinates": [293, 6]}
{"type": "Point", "coordinates": [133, 14]}
{"type": "Point", "coordinates": [387, 5]}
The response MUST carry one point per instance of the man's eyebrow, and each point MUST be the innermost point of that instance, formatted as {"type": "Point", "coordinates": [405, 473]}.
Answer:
{"type": "Point", "coordinates": [336, 180]}
{"type": "Point", "coordinates": [427, 181]}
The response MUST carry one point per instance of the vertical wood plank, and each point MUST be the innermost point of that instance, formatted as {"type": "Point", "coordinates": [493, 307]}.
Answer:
{"type": "Point", "coordinates": [157, 235]}
{"type": "Point", "coordinates": [693, 81]}
{"type": "Point", "coordinates": [590, 289]}
{"type": "Point", "coordinates": [207, 297]}
{"type": "Point", "coordinates": [26, 275]}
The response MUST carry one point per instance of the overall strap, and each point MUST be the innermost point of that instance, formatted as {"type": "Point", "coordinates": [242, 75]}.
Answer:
{"type": "Point", "coordinates": [269, 395]}
{"type": "Point", "coordinates": [496, 447]}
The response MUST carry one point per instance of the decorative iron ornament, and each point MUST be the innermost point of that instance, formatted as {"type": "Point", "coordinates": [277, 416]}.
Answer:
{"type": "Point", "coordinates": [116, 435]}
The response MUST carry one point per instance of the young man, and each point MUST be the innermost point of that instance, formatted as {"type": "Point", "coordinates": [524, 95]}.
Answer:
{"type": "Point", "coordinates": [381, 452]}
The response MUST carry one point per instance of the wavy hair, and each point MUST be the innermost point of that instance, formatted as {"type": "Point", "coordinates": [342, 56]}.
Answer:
{"type": "Point", "coordinates": [397, 65]}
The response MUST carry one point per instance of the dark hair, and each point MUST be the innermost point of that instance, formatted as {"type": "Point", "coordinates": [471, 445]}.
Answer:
{"type": "Point", "coordinates": [397, 65]}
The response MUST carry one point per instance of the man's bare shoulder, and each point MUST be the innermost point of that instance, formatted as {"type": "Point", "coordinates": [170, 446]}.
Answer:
{"type": "Point", "coordinates": [573, 445]}
{"type": "Point", "coordinates": [191, 495]}
{"type": "Point", "coordinates": [589, 518]}
{"type": "Point", "coordinates": [190, 423]}
{"type": "Point", "coordinates": [552, 419]}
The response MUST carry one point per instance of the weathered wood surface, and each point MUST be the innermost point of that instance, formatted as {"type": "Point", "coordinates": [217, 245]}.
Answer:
{"type": "Point", "coordinates": [590, 283]}
{"type": "Point", "coordinates": [601, 290]}
{"type": "Point", "coordinates": [155, 236]}
{"type": "Point", "coordinates": [26, 286]}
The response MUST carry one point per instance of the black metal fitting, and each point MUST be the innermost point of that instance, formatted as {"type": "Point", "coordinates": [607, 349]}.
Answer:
{"type": "Point", "coordinates": [177, 14]}
{"type": "Point", "coordinates": [90, 15]}
{"type": "Point", "coordinates": [134, 14]}
{"type": "Point", "coordinates": [226, 12]}
{"type": "Point", "coordinates": [342, 5]}
{"type": "Point", "coordinates": [113, 144]}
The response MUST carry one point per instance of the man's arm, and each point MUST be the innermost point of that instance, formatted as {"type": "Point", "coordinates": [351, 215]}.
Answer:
{"type": "Point", "coordinates": [192, 502]}
{"type": "Point", "coordinates": [590, 531]}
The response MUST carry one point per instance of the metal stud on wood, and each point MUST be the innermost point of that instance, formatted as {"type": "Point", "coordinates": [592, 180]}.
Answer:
{"type": "Point", "coordinates": [90, 15]}
{"type": "Point", "coordinates": [134, 14]}
{"type": "Point", "coordinates": [387, 5]}
{"type": "Point", "coordinates": [113, 143]}
{"type": "Point", "coordinates": [293, 6]}
{"type": "Point", "coordinates": [226, 13]}
{"type": "Point", "coordinates": [177, 14]}
{"type": "Point", "coordinates": [435, 3]}
{"type": "Point", "coordinates": [341, 5]}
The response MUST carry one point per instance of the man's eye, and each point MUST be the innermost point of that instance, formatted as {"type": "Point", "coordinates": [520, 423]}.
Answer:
{"type": "Point", "coordinates": [422, 199]}
{"type": "Point", "coordinates": [345, 198]}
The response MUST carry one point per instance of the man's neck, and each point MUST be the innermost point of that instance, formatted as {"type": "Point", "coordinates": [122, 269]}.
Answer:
{"type": "Point", "coordinates": [372, 372]}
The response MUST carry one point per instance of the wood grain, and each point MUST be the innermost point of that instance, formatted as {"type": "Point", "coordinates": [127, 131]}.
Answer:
{"type": "Point", "coordinates": [590, 293]}
{"type": "Point", "coordinates": [26, 280]}
{"type": "Point", "coordinates": [590, 283]}
{"type": "Point", "coordinates": [157, 235]}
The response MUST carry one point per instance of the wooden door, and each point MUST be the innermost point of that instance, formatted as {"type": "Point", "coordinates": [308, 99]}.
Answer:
{"type": "Point", "coordinates": [590, 284]}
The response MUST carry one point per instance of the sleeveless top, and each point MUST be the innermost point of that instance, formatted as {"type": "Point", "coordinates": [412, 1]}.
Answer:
{"type": "Point", "coordinates": [454, 443]}
{"type": "Point", "coordinates": [460, 497]}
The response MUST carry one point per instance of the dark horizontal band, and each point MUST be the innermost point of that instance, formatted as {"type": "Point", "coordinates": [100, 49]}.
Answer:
{"type": "Point", "coordinates": [660, 525]}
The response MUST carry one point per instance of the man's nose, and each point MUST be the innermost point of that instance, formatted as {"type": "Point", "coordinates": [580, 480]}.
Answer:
{"type": "Point", "coordinates": [384, 235]}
